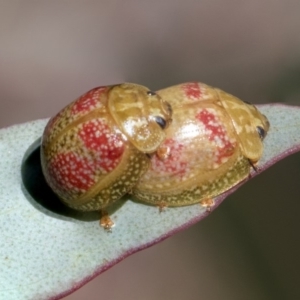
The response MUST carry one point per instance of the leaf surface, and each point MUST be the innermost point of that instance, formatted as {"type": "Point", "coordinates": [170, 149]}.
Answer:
{"type": "Point", "coordinates": [46, 254]}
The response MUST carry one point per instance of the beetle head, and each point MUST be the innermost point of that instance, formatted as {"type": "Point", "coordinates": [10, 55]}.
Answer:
{"type": "Point", "coordinates": [140, 114]}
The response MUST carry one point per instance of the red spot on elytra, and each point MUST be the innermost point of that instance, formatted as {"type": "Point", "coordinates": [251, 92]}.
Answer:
{"type": "Point", "coordinates": [217, 132]}
{"type": "Point", "coordinates": [88, 101]}
{"type": "Point", "coordinates": [192, 90]}
{"type": "Point", "coordinates": [107, 145]}
{"type": "Point", "coordinates": [173, 163]}
{"type": "Point", "coordinates": [70, 171]}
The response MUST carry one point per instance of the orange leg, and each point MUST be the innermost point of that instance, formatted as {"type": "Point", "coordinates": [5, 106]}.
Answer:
{"type": "Point", "coordinates": [106, 222]}
{"type": "Point", "coordinates": [162, 206]}
{"type": "Point", "coordinates": [163, 152]}
{"type": "Point", "coordinates": [208, 203]}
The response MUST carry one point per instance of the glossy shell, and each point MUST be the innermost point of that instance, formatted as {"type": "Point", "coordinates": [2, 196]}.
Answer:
{"type": "Point", "coordinates": [213, 142]}
{"type": "Point", "coordinates": [96, 149]}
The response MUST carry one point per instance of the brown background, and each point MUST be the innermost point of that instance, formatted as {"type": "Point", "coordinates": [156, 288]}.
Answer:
{"type": "Point", "coordinates": [53, 51]}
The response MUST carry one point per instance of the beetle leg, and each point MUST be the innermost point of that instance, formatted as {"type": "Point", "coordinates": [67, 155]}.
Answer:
{"type": "Point", "coordinates": [208, 203]}
{"type": "Point", "coordinates": [162, 207]}
{"type": "Point", "coordinates": [105, 221]}
{"type": "Point", "coordinates": [163, 152]}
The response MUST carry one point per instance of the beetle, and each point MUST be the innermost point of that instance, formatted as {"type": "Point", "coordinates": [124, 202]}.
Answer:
{"type": "Point", "coordinates": [96, 149]}
{"type": "Point", "coordinates": [182, 145]}
{"type": "Point", "coordinates": [214, 141]}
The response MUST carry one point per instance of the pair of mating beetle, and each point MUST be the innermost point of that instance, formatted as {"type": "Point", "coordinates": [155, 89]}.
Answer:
{"type": "Point", "coordinates": [179, 146]}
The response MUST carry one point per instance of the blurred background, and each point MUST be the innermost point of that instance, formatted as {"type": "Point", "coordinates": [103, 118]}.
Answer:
{"type": "Point", "coordinates": [53, 51]}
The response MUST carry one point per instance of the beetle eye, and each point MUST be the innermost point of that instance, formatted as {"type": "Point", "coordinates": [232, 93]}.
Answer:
{"type": "Point", "coordinates": [261, 132]}
{"type": "Point", "coordinates": [150, 93]}
{"type": "Point", "coordinates": [160, 121]}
